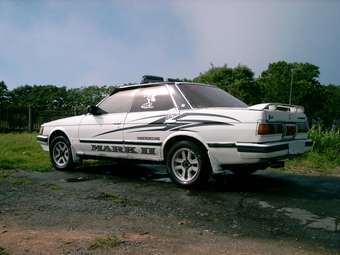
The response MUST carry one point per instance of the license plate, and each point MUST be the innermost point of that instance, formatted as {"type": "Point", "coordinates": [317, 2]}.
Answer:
{"type": "Point", "coordinates": [297, 147]}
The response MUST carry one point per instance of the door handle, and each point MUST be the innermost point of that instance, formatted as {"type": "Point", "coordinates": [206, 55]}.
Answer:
{"type": "Point", "coordinates": [171, 121]}
{"type": "Point", "coordinates": [116, 122]}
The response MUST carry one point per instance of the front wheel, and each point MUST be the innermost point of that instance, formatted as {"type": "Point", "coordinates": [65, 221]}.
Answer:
{"type": "Point", "coordinates": [61, 155]}
{"type": "Point", "coordinates": [188, 165]}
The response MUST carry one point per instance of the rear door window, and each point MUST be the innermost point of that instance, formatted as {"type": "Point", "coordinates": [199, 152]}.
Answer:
{"type": "Point", "coordinates": [205, 96]}
{"type": "Point", "coordinates": [155, 98]}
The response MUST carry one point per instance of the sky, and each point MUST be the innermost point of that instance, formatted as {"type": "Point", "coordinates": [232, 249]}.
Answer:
{"type": "Point", "coordinates": [76, 43]}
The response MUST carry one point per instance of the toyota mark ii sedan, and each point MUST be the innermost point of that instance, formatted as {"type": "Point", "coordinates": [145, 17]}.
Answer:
{"type": "Point", "coordinates": [193, 129]}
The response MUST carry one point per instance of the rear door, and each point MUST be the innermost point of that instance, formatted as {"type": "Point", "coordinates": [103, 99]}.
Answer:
{"type": "Point", "coordinates": [152, 118]}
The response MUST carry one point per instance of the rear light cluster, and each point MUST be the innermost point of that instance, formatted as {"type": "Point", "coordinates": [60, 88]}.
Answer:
{"type": "Point", "coordinates": [302, 128]}
{"type": "Point", "coordinates": [279, 128]}
{"type": "Point", "coordinates": [269, 129]}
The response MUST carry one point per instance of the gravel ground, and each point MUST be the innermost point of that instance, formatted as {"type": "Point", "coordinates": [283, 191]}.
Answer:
{"type": "Point", "coordinates": [126, 209]}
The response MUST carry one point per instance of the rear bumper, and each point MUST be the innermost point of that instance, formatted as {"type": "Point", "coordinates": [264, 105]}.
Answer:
{"type": "Point", "coordinates": [273, 150]}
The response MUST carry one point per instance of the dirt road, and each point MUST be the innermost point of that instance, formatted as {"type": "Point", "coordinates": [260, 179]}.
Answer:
{"type": "Point", "coordinates": [139, 207]}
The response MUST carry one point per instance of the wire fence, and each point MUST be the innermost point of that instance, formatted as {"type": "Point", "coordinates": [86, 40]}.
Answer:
{"type": "Point", "coordinates": [22, 119]}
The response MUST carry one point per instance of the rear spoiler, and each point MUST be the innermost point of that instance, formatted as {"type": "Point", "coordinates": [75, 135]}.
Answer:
{"type": "Point", "coordinates": [278, 107]}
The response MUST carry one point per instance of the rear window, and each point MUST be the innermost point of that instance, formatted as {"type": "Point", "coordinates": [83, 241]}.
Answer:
{"type": "Point", "coordinates": [205, 96]}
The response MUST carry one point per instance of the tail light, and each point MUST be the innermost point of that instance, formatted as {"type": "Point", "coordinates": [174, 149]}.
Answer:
{"type": "Point", "coordinates": [303, 128]}
{"type": "Point", "coordinates": [280, 128]}
{"type": "Point", "coordinates": [290, 130]}
{"type": "Point", "coordinates": [269, 128]}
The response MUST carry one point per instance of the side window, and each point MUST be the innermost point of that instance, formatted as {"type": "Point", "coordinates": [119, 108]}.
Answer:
{"type": "Point", "coordinates": [152, 99]}
{"type": "Point", "coordinates": [181, 102]}
{"type": "Point", "coordinates": [119, 102]}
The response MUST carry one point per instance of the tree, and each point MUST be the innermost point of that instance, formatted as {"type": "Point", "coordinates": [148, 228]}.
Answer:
{"type": "Point", "coordinates": [82, 97]}
{"type": "Point", "coordinates": [242, 85]}
{"type": "Point", "coordinates": [219, 76]}
{"type": "Point", "coordinates": [288, 82]}
{"type": "Point", "coordinates": [4, 99]}
{"type": "Point", "coordinates": [238, 81]}
{"type": "Point", "coordinates": [294, 83]}
{"type": "Point", "coordinates": [327, 102]}
{"type": "Point", "coordinates": [43, 97]}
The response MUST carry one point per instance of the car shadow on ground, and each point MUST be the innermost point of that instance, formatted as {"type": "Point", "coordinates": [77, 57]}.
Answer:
{"type": "Point", "coordinates": [257, 182]}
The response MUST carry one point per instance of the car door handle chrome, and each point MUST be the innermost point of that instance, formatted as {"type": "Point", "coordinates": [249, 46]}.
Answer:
{"type": "Point", "coordinates": [170, 121]}
{"type": "Point", "coordinates": [116, 122]}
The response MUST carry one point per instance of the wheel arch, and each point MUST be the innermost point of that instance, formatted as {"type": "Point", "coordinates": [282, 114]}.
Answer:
{"type": "Point", "coordinates": [56, 133]}
{"type": "Point", "coordinates": [179, 138]}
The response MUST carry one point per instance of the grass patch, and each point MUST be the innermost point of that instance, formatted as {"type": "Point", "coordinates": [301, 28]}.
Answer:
{"type": "Point", "coordinates": [100, 242]}
{"type": "Point", "coordinates": [54, 187]}
{"type": "Point", "coordinates": [3, 251]}
{"type": "Point", "coordinates": [22, 152]}
{"type": "Point", "coordinates": [3, 176]}
{"type": "Point", "coordinates": [309, 164]}
{"type": "Point", "coordinates": [326, 143]}
{"type": "Point", "coordinates": [323, 159]}
{"type": "Point", "coordinates": [113, 196]}
{"type": "Point", "coordinates": [21, 181]}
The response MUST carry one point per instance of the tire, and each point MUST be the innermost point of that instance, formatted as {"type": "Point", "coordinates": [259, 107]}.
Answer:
{"type": "Point", "coordinates": [61, 155]}
{"type": "Point", "coordinates": [188, 165]}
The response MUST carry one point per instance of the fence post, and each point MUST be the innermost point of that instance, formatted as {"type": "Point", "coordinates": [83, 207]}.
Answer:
{"type": "Point", "coordinates": [75, 112]}
{"type": "Point", "coordinates": [30, 119]}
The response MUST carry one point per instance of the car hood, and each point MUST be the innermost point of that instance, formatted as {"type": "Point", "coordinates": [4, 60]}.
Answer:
{"type": "Point", "coordinates": [71, 121]}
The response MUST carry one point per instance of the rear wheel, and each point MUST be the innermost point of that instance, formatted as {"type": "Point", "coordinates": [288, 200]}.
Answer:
{"type": "Point", "coordinates": [188, 165]}
{"type": "Point", "coordinates": [61, 155]}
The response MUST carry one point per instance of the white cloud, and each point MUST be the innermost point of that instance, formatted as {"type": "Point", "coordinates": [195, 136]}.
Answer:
{"type": "Point", "coordinates": [256, 33]}
{"type": "Point", "coordinates": [114, 42]}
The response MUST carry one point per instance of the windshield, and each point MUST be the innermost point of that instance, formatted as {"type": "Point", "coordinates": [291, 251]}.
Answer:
{"type": "Point", "coordinates": [204, 96]}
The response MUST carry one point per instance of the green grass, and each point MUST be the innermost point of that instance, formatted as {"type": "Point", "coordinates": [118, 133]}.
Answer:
{"type": "Point", "coordinates": [54, 187]}
{"type": "Point", "coordinates": [100, 242]}
{"type": "Point", "coordinates": [20, 181]}
{"type": "Point", "coordinates": [22, 152]}
{"type": "Point", "coordinates": [326, 143]}
{"type": "Point", "coordinates": [113, 196]}
{"type": "Point", "coordinates": [4, 176]}
{"type": "Point", "coordinates": [3, 251]}
{"type": "Point", "coordinates": [323, 159]}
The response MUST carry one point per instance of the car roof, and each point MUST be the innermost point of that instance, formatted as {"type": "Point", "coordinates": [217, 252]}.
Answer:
{"type": "Point", "coordinates": [152, 80]}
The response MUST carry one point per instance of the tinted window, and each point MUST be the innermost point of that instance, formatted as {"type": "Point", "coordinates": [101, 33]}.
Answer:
{"type": "Point", "coordinates": [178, 97]}
{"type": "Point", "coordinates": [118, 102]}
{"type": "Point", "coordinates": [203, 96]}
{"type": "Point", "coordinates": [152, 99]}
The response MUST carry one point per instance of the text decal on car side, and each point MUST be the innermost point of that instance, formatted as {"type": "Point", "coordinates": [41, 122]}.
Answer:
{"type": "Point", "coordinates": [120, 149]}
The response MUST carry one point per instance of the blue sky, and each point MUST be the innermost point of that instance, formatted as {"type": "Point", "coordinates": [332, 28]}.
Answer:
{"type": "Point", "coordinates": [78, 43]}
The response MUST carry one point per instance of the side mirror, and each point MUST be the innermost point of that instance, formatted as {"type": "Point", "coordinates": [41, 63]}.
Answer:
{"type": "Point", "coordinates": [92, 109]}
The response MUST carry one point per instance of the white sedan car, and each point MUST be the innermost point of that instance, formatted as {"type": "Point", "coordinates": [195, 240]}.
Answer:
{"type": "Point", "coordinates": [194, 129]}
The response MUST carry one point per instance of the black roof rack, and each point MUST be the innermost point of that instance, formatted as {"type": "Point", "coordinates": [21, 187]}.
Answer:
{"type": "Point", "coordinates": [151, 78]}
{"type": "Point", "coordinates": [173, 79]}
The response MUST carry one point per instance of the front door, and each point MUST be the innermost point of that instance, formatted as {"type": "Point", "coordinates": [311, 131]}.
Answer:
{"type": "Point", "coordinates": [102, 134]}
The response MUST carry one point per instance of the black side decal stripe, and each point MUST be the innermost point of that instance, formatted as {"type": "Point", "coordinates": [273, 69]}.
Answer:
{"type": "Point", "coordinates": [100, 141]}
{"type": "Point", "coordinates": [222, 145]}
{"type": "Point", "coordinates": [280, 147]}
{"type": "Point", "coordinates": [121, 142]}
